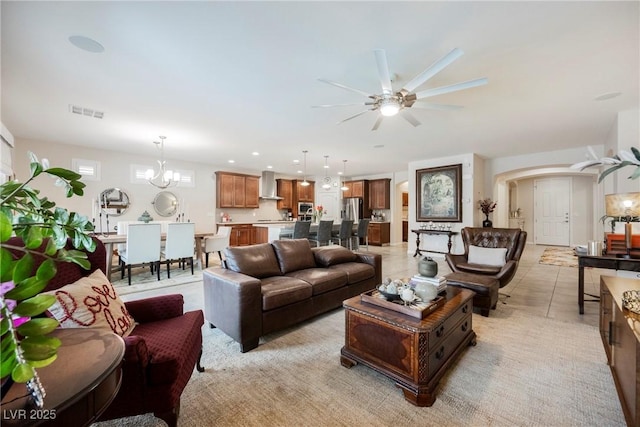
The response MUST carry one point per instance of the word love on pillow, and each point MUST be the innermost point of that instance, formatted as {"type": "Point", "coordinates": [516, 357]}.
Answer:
{"type": "Point", "coordinates": [91, 302]}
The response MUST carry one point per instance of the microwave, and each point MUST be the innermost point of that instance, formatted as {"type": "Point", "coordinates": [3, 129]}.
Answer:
{"type": "Point", "coordinates": [305, 211]}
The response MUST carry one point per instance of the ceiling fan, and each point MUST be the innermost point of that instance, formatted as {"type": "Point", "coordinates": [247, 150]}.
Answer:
{"type": "Point", "coordinates": [390, 103]}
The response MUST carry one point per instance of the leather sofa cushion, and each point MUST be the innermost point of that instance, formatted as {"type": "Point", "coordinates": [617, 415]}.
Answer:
{"type": "Point", "coordinates": [293, 255]}
{"type": "Point", "coordinates": [278, 291]}
{"type": "Point", "coordinates": [331, 255]}
{"type": "Point", "coordinates": [479, 268]}
{"type": "Point", "coordinates": [356, 271]}
{"type": "Point", "coordinates": [258, 261]}
{"type": "Point", "coordinates": [321, 279]}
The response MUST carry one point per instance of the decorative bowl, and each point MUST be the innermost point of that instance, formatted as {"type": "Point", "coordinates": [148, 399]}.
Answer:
{"type": "Point", "coordinates": [388, 296]}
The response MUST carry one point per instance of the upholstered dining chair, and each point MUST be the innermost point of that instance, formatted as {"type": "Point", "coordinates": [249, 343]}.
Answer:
{"type": "Point", "coordinates": [180, 244]}
{"type": "Point", "coordinates": [300, 231]}
{"type": "Point", "coordinates": [343, 237]}
{"type": "Point", "coordinates": [143, 246]}
{"type": "Point", "coordinates": [361, 233]}
{"type": "Point", "coordinates": [217, 243]}
{"type": "Point", "coordinates": [323, 235]}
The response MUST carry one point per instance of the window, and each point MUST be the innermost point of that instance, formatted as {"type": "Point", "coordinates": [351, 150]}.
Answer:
{"type": "Point", "coordinates": [89, 169]}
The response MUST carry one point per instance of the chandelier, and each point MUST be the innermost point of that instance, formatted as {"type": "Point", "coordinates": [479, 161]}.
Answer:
{"type": "Point", "coordinates": [164, 178]}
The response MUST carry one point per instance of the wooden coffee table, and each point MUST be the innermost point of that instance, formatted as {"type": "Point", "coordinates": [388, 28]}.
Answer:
{"type": "Point", "coordinates": [414, 353]}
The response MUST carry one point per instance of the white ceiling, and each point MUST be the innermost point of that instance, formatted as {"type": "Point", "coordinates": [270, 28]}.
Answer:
{"type": "Point", "coordinates": [224, 79]}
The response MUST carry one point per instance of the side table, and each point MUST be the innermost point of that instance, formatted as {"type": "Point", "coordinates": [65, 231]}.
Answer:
{"type": "Point", "coordinates": [606, 262]}
{"type": "Point", "coordinates": [79, 385]}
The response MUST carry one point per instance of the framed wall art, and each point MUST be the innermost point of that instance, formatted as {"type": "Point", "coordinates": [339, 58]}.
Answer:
{"type": "Point", "coordinates": [439, 194]}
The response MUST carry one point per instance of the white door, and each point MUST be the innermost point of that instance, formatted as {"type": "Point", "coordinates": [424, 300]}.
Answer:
{"type": "Point", "coordinates": [552, 203]}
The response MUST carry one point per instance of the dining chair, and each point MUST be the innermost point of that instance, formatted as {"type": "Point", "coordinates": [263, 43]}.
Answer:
{"type": "Point", "coordinates": [300, 231]}
{"type": "Point", "coordinates": [180, 244]}
{"type": "Point", "coordinates": [323, 235]}
{"type": "Point", "coordinates": [343, 237]}
{"type": "Point", "coordinates": [362, 233]}
{"type": "Point", "coordinates": [143, 246]}
{"type": "Point", "coordinates": [217, 243]}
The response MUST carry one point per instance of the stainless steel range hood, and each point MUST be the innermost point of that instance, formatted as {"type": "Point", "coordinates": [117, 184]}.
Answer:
{"type": "Point", "coordinates": [268, 186]}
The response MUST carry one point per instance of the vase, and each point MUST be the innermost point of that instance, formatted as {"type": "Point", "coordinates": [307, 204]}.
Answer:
{"type": "Point", "coordinates": [487, 222]}
{"type": "Point", "coordinates": [427, 267]}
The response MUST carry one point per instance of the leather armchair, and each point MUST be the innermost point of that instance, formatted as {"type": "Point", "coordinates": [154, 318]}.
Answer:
{"type": "Point", "coordinates": [513, 239]}
{"type": "Point", "coordinates": [160, 352]}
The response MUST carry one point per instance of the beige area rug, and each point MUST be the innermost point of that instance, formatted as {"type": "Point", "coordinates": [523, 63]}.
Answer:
{"type": "Point", "coordinates": [142, 280]}
{"type": "Point", "coordinates": [559, 256]}
{"type": "Point", "coordinates": [524, 371]}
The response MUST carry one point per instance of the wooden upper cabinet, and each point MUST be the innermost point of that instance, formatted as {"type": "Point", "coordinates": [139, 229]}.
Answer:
{"type": "Point", "coordinates": [303, 193]}
{"type": "Point", "coordinates": [285, 190]}
{"type": "Point", "coordinates": [405, 199]}
{"type": "Point", "coordinates": [356, 189]}
{"type": "Point", "coordinates": [236, 190]}
{"type": "Point", "coordinates": [380, 193]}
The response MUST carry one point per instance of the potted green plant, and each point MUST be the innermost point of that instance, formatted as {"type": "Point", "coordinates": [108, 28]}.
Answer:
{"type": "Point", "coordinates": [26, 344]}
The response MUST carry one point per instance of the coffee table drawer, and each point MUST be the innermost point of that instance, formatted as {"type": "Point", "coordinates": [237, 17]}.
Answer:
{"type": "Point", "coordinates": [447, 346]}
{"type": "Point", "coordinates": [439, 333]}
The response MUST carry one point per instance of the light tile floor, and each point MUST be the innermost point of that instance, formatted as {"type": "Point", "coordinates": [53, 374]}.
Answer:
{"type": "Point", "coordinates": [542, 290]}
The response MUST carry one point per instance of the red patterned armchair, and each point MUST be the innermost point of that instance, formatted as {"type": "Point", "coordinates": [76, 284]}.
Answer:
{"type": "Point", "coordinates": [160, 352]}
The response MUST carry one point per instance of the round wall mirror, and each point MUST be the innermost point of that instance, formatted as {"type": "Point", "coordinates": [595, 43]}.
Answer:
{"type": "Point", "coordinates": [114, 201]}
{"type": "Point", "coordinates": [165, 203]}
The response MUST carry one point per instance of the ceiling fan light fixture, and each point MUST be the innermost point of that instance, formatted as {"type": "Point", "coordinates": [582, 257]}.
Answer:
{"type": "Point", "coordinates": [389, 107]}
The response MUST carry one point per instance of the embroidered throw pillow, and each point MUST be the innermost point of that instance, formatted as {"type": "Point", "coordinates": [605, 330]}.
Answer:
{"type": "Point", "coordinates": [91, 302]}
{"type": "Point", "coordinates": [487, 256]}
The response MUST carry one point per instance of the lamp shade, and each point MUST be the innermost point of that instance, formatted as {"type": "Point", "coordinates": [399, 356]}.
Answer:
{"type": "Point", "coordinates": [622, 204]}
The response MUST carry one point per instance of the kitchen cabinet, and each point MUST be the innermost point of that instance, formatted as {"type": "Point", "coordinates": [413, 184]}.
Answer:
{"type": "Point", "coordinates": [356, 189]}
{"type": "Point", "coordinates": [236, 190]}
{"type": "Point", "coordinates": [621, 342]}
{"type": "Point", "coordinates": [242, 235]}
{"type": "Point", "coordinates": [405, 231]}
{"type": "Point", "coordinates": [380, 193]}
{"type": "Point", "coordinates": [261, 235]}
{"type": "Point", "coordinates": [303, 193]}
{"type": "Point", "coordinates": [379, 233]}
{"type": "Point", "coordinates": [285, 190]}
{"type": "Point", "coordinates": [405, 199]}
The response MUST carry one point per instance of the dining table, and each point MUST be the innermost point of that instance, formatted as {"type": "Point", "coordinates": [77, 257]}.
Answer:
{"type": "Point", "coordinates": [110, 240]}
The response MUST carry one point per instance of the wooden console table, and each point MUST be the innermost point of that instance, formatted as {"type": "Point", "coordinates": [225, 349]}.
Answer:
{"type": "Point", "coordinates": [79, 385]}
{"type": "Point", "coordinates": [606, 262]}
{"type": "Point", "coordinates": [420, 231]}
{"type": "Point", "coordinates": [621, 339]}
{"type": "Point", "coordinates": [414, 353]}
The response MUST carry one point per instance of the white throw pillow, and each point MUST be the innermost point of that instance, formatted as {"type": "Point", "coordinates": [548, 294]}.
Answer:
{"type": "Point", "coordinates": [91, 302]}
{"type": "Point", "coordinates": [487, 256]}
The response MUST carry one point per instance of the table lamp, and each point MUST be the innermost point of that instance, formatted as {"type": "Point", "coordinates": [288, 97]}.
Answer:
{"type": "Point", "coordinates": [624, 206]}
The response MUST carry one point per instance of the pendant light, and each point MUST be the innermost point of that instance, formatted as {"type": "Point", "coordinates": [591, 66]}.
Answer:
{"type": "Point", "coordinates": [304, 182]}
{"type": "Point", "coordinates": [164, 178]}
{"type": "Point", "coordinates": [344, 174]}
{"type": "Point", "coordinates": [327, 180]}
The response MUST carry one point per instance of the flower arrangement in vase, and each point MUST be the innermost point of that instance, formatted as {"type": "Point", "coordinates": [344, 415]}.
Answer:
{"type": "Point", "coordinates": [487, 206]}
{"type": "Point", "coordinates": [317, 213]}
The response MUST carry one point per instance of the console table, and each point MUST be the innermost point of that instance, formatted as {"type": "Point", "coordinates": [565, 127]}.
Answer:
{"type": "Point", "coordinates": [80, 384]}
{"type": "Point", "coordinates": [415, 353]}
{"type": "Point", "coordinates": [607, 262]}
{"type": "Point", "coordinates": [420, 231]}
{"type": "Point", "coordinates": [621, 340]}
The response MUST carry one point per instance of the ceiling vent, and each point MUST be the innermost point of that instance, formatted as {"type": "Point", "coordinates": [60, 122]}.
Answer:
{"type": "Point", "coordinates": [85, 111]}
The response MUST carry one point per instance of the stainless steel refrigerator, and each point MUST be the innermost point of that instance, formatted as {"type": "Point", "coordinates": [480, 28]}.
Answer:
{"type": "Point", "coordinates": [352, 208]}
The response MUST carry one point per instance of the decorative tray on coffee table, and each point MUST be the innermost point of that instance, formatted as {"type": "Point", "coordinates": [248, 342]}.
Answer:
{"type": "Point", "coordinates": [419, 309]}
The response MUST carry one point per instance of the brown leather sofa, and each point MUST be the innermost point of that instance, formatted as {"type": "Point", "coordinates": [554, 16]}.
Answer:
{"type": "Point", "coordinates": [271, 286]}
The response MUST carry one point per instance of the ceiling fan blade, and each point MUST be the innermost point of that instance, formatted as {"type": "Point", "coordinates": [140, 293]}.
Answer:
{"type": "Point", "coordinates": [434, 69]}
{"type": "Point", "coordinates": [451, 88]}
{"type": "Point", "coordinates": [377, 123]}
{"type": "Point", "coordinates": [340, 85]}
{"type": "Point", "coordinates": [354, 116]}
{"type": "Point", "coordinates": [428, 106]}
{"type": "Point", "coordinates": [383, 71]}
{"type": "Point", "coordinates": [341, 105]}
{"type": "Point", "coordinates": [409, 117]}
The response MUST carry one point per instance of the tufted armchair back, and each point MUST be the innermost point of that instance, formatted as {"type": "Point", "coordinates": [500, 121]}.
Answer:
{"type": "Point", "coordinates": [513, 239]}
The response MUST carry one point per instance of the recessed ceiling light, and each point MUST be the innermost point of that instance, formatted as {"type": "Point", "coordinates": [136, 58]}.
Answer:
{"type": "Point", "coordinates": [86, 44]}
{"type": "Point", "coordinates": [296, 161]}
{"type": "Point", "coordinates": [269, 167]}
{"type": "Point", "coordinates": [255, 153]}
{"type": "Point", "coordinates": [231, 161]}
{"type": "Point", "coordinates": [608, 95]}
{"type": "Point", "coordinates": [299, 171]}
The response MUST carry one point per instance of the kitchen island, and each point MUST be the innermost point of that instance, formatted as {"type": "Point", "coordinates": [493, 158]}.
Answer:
{"type": "Point", "coordinates": [274, 230]}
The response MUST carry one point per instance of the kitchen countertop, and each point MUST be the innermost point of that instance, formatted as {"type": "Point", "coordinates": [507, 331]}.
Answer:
{"type": "Point", "coordinates": [254, 222]}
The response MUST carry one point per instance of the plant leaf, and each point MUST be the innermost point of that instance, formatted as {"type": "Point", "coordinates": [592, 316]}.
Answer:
{"type": "Point", "coordinates": [6, 265]}
{"type": "Point", "coordinates": [43, 363]}
{"type": "Point", "coordinates": [22, 373]}
{"type": "Point", "coordinates": [8, 364]}
{"type": "Point", "coordinates": [47, 270]}
{"type": "Point", "coordinates": [39, 326]}
{"type": "Point", "coordinates": [23, 268]}
{"type": "Point", "coordinates": [64, 174]}
{"type": "Point", "coordinates": [26, 289]}
{"type": "Point", "coordinates": [34, 238]}
{"type": "Point", "coordinates": [35, 305]}
{"type": "Point", "coordinates": [6, 229]}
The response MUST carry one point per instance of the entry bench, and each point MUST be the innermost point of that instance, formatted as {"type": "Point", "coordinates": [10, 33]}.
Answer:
{"type": "Point", "coordinates": [485, 287]}
{"type": "Point", "coordinates": [271, 286]}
